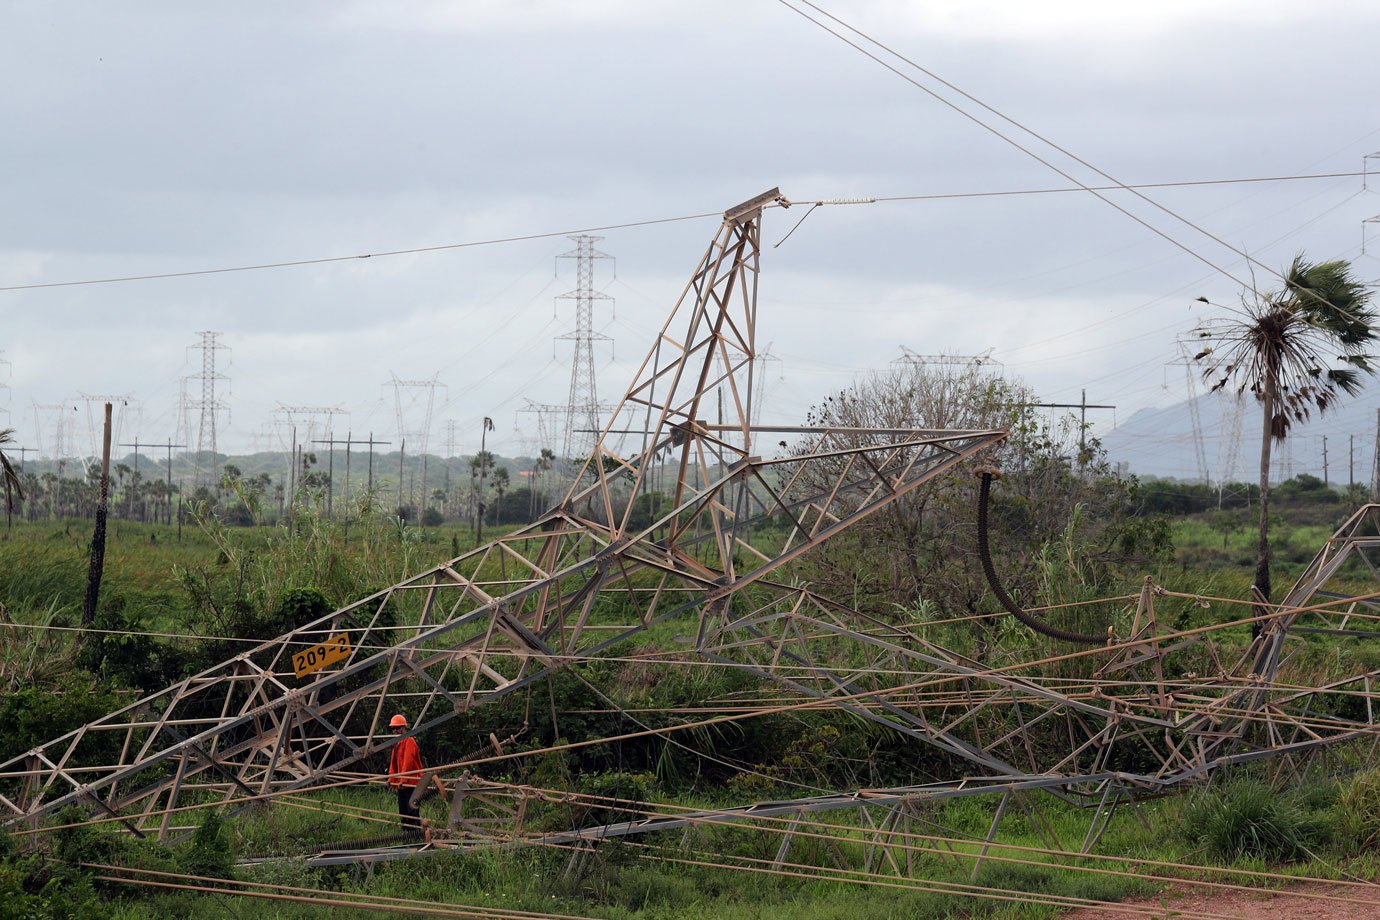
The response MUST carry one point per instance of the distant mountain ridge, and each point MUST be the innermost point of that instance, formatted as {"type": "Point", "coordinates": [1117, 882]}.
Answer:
{"type": "Point", "coordinates": [1160, 442]}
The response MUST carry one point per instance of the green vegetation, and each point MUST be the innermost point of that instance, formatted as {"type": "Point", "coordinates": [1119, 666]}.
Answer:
{"type": "Point", "coordinates": [1065, 530]}
{"type": "Point", "coordinates": [1284, 349]}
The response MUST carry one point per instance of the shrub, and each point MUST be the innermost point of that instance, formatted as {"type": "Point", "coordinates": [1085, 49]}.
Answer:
{"type": "Point", "coordinates": [1358, 812]}
{"type": "Point", "coordinates": [209, 852]}
{"type": "Point", "coordinates": [1249, 819]}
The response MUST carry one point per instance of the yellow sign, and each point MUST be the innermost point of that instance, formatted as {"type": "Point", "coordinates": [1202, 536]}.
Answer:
{"type": "Point", "coordinates": [311, 660]}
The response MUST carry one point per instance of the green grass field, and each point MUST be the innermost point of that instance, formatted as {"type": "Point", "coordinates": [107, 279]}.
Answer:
{"type": "Point", "coordinates": [164, 584]}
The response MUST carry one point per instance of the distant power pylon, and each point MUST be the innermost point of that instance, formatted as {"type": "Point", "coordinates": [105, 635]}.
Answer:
{"type": "Point", "coordinates": [312, 423]}
{"type": "Point", "coordinates": [583, 411]}
{"type": "Point", "coordinates": [910, 356]}
{"type": "Point", "coordinates": [760, 362]}
{"type": "Point", "coordinates": [418, 436]}
{"type": "Point", "coordinates": [548, 428]}
{"type": "Point", "coordinates": [1191, 368]}
{"type": "Point", "coordinates": [209, 405]}
{"type": "Point", "coordinates": [54, 446]}
{"type": "Point", "coordinates": [94, 407]}
{"type": "Point", "coordinates": [1233, 406]}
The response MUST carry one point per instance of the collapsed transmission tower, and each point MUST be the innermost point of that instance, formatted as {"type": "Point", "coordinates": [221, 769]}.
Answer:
{"type": "Point", "coordinates": [583, 410]}
{"type": "Point", "coordinates": [305, 708]}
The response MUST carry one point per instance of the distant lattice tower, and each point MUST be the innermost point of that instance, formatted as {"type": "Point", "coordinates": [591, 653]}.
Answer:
{"type": "Point", "coordinates": [583, 408]}
{"type": "Point", "coordinates": [209, 405]}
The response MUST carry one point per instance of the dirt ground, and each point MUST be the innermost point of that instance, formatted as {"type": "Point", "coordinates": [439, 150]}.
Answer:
{"type": "Point", "coordinates": [1296, 902]}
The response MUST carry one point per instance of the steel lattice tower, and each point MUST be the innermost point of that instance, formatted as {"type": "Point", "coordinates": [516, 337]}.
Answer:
{"type": "Point", "coordinates": [208, 403]}
{"type": "Point", "coordinates": [582, 407]}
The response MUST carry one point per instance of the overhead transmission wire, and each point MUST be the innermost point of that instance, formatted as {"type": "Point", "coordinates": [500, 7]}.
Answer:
{"type": "Point", "coordinates": [1043, 139]}
{"type": "Point", "coordinates": [470, 244]}
{"type": "Point", "coordinates": [844, 874]}
{"type": "Point", "coordinates": [303, 895]}
{"type": "Point", "coordinates": [788, 826]}
{"type": "Point", "coordinates": [773, 824]}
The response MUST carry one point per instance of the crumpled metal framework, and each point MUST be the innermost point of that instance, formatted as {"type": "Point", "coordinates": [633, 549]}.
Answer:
{"type": "Point", "coordinates": [661, 543]}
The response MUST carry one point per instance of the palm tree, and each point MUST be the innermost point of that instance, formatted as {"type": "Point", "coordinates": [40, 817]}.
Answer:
{"type": "Point", "coordinates": [481, 463]}
{"type": "Point", "coordinates": [1281, 349]}
{"type": "Point", "coordinates": [546, 463]}
{"type": "Point", "coordinates": [539, 468]}
{"type": "Point", "coordinates": [13, 486]}
{"type": "Point", "coordinates": [500, 488]}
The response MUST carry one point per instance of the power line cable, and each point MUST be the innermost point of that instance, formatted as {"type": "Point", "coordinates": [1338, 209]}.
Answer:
{"type": "Point", "coordinates": [443, 247]}
{"type": "Point", "coordinates": [1119, 185]}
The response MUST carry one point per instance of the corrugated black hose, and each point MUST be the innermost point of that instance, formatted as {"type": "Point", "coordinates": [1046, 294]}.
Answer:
{"type": "Point", "coordinates": [986, 473]}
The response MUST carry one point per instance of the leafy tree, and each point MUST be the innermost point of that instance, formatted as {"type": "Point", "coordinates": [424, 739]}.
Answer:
{"type": "Point", "coordinates": [1282, 348]}
{"type": "Point", "coordinates": [921, 550]}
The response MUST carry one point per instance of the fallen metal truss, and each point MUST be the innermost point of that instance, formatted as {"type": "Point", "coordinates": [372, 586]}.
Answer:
{"type": "Point", "coordinates": [570, 586]}
{"type": "Point", "coordinates": [688, 542]}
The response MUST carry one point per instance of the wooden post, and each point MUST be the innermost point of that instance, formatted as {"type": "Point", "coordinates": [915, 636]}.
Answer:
{"type": "Point", "coordinates": [93, 578]}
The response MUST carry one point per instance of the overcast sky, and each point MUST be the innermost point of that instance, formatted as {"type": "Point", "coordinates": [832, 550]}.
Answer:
{"type": "Point", "coordinates": [162, 137]}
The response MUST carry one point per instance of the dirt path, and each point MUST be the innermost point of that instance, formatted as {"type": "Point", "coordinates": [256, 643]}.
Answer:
{"type": "Point", "coordinates": [1293, 903]}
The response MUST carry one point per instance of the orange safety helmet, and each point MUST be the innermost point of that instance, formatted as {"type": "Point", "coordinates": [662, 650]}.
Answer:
{"type": "Point", "coordinates": [398, 721]}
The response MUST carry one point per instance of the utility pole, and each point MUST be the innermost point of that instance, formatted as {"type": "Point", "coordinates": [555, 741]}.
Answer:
{"type": "Point", "coordinates": [402, 455]}
{"type": "Point", "coordinates": [348, 441]}
{"type": "Point", "coordinates": [1350, 461]}
{"type": "Point", "coordinates": [1082, 406]}
{"type": "Point", "coordinates": [170, 445]}
{"type": "Point", "coordinates": [134, 481]}
{"type": "Point", "coordinates": [97, 565]}
{"type": "Point", "coordinates": [21, 451]}
{"type": "Point", "coordinates": [330, 472]}
{"type": "Point", "coordinates": [371, 443]}
{"type": "Point", "coordinates": [1375, 462]}
{"type": "Point", "coordinates": [292, 480]}
{"type": "Point", "coordinates": [1325, 480]}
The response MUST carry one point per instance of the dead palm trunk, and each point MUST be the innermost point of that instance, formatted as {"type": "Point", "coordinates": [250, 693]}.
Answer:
{"type": "Point", "coordinates": [1262, 562]}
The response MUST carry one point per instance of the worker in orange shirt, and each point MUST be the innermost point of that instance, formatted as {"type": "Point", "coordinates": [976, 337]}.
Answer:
{"type": "Point", "coordinates": [404, 772]}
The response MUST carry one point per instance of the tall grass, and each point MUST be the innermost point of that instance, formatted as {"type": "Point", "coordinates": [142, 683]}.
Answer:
{"type": "Point", "coordinates": [1248, 819]}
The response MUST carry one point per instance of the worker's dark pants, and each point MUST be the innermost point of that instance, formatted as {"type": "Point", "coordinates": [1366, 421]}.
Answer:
{"type": "Point", "coordinates": [411, 816]}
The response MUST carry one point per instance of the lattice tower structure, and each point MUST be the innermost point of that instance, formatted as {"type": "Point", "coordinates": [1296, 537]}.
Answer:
{"type": "Point", "coordinates": [910, 356]}
{"type": "Point", "coordinates": [1189, 364]}
{"type": "Point", "coordinates": [209, 406]}
{"type": "Point", "coordinates": [761, 363]}
{"type": "Point", "coordinates": [583, 410]}
{"type": "Point", "coordinates": [55, 445]}
{"type": "Point", "coordinates": [408, 397]}
{"type": "Point", "coordinates": [95, 419]}
{"type": "Point", "coordinates": [311, 423]}
{"type": "Point", "coordinates": [585, 579]}
{"type": "Point", "coordinates": [1232, 408]}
